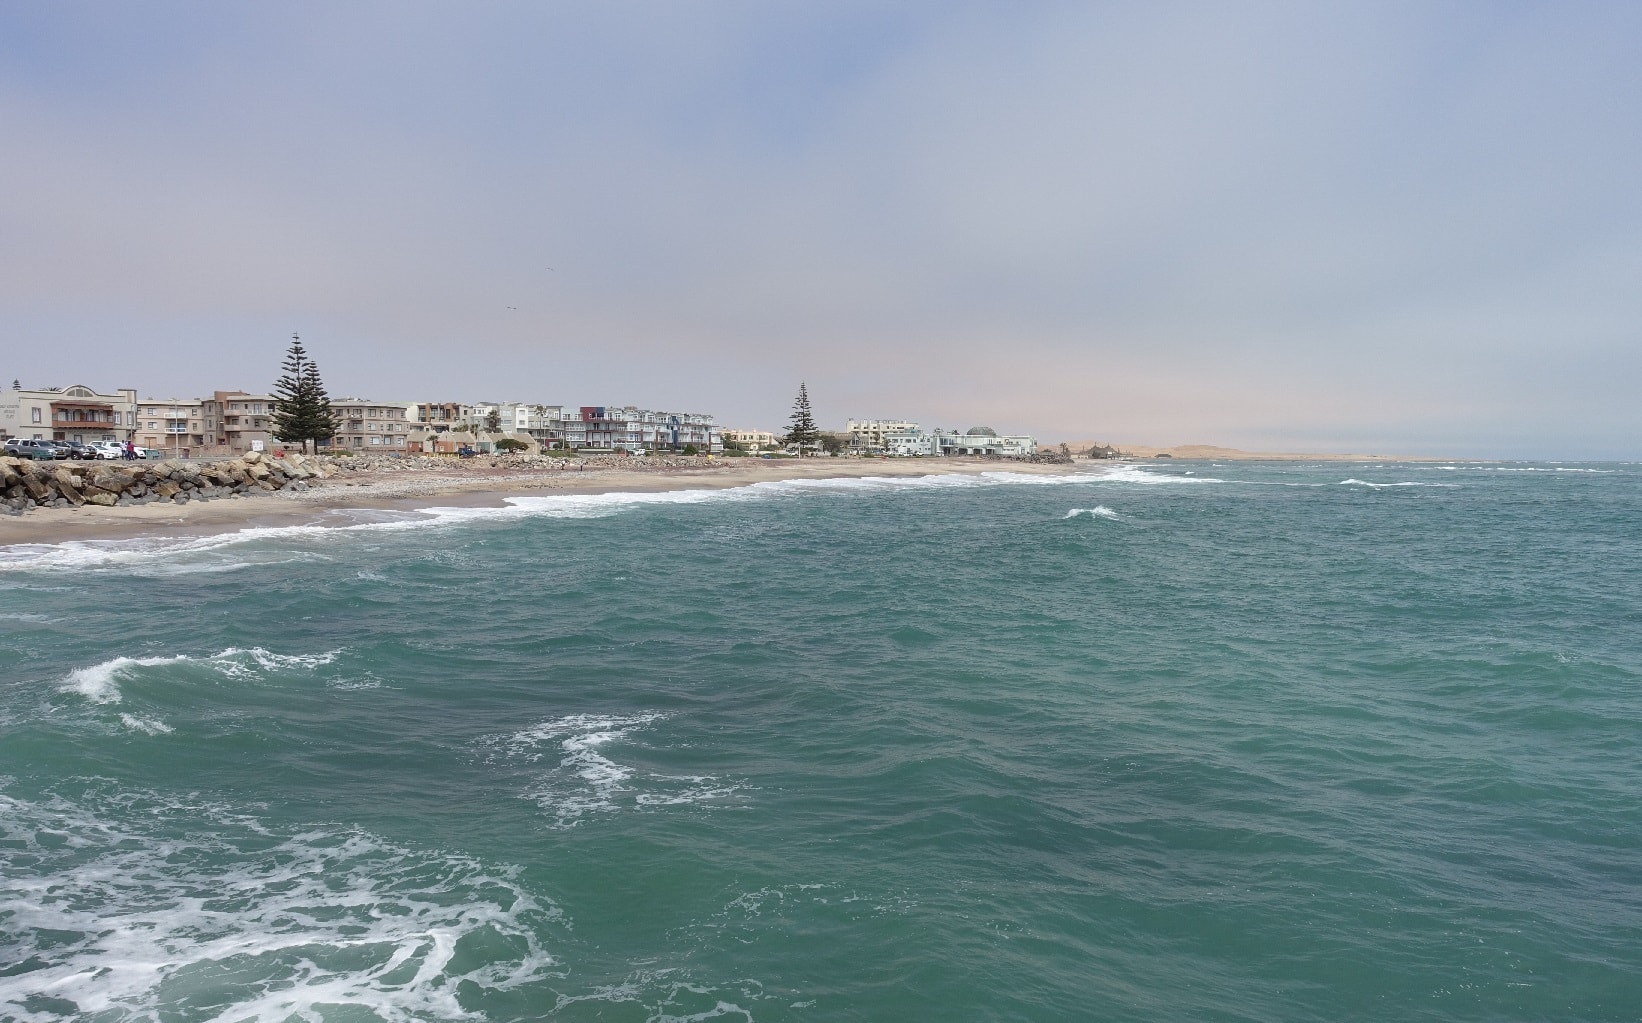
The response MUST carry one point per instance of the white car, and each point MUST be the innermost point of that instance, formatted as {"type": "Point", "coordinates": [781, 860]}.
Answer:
{"type": "Point", "coordinates": [108, 450]}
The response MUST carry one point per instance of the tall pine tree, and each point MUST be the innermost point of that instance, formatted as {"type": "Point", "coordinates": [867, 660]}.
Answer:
{"type": "Point", "coordinates": [323, 422]}
{"type": "Point", "coordinates": [302, 409]}
{"type": "Point", "coordinates": [802, 431]}
{"type": "Point", "coordinates": [290, 419]}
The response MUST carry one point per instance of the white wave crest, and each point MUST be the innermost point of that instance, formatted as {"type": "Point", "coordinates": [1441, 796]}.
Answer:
{"type": "Point", "coordinates": [125, 923]}
{"type": "Point", "coordinates": [586, 781]}
{"type": "Point", "coordinates": [1144, 476]}
{"type": "Point", "coordinates": [1099, 511]}
{"type": "Point", "coordinates": [148, 726]}
{"type": "Point", "coordinates": [1382, 486]}
{"type": "Point", "coordinates": [99, 683]}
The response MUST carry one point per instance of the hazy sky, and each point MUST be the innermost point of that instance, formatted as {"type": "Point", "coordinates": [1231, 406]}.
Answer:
{"type": "Point", "coordinates": [1407, 227]}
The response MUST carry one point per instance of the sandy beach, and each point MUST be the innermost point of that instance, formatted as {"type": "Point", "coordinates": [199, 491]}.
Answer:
{"type": "Point", "coordinates": [461, 485]}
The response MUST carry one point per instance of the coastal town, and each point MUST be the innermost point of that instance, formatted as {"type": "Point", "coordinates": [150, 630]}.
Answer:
{"type": "Point", "coordinates": [230, 423]}
{"type": "Point", "coordinates": [231, 443]}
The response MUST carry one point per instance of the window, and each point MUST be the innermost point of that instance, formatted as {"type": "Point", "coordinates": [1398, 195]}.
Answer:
{"type": "Point", "coordinates": [34, 415]}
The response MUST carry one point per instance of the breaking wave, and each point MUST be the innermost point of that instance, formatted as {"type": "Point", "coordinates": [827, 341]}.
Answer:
{"type": "Point", "coordinates": [99, 683]}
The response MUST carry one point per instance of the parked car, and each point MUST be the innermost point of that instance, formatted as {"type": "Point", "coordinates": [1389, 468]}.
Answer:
{"type": "Point", "coordinates": [107, 449]}
{"type": "Point", "coordinates": [59, 448]}
{"type": "Point", "coordinates": [26, 447]}
{"type": "Point", "coordinates": [77, 449]}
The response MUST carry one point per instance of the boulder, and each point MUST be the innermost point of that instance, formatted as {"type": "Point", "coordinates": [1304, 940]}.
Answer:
{"type": "Point", "coordinates": [66, 481]}
{"type": "Point", "coordinates": [36, 486]}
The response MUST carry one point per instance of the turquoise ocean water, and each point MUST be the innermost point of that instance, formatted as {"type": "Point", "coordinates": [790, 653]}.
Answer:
{"type": "Point", "coordinates": [1173, 742]}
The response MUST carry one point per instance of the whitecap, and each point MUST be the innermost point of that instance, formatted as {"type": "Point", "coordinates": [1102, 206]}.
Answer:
{"type": "Point", "coordinates": [148, 726]}
{"type": "Point", "coordinates": [1379, 486]}
{"type": "Point", "coordinates": [585, 780]}
{"type": "Point", "coordinates": [1099, 511]}
{"type": "Point", "coordinates": [99, 683]}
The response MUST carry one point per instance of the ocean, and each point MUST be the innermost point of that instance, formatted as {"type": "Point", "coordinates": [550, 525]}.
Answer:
{"type": "Point", "coordinates": [1188, 741]}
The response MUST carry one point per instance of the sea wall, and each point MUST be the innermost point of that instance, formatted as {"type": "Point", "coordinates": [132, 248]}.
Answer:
{"type": "Point", "coordinates": [27, 484]}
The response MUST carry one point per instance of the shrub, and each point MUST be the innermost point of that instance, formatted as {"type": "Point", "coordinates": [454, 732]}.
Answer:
{"type": "Point", "coordinates": [691, 449]}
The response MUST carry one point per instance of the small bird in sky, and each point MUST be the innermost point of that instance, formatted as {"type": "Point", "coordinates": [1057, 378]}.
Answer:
{"type": "Point", "coordinates": [513, 307]}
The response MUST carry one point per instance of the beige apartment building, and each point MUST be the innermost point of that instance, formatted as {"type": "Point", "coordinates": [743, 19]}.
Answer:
{"type": "Point", "coordinates": [238, 422]}
{"type": "Point", "coordinates": [371, 426]}
{"type": "Point", "coordinates": [173, 425]}
{"type": "Point", "coordinates": [752, 440]}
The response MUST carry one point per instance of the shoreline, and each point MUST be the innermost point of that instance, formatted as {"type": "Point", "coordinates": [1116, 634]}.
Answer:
{"type": "Point", "coordinates": [345, 497]}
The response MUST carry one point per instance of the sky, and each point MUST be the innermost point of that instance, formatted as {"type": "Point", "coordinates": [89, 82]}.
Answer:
{"type": "Point", "coordinates": [1372, 227]}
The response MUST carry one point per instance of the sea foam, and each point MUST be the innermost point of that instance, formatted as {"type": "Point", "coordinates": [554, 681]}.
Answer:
{"type": "Point", "coordinates": [135, 920]}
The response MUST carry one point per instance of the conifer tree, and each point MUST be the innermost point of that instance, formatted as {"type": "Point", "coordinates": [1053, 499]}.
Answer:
{"type": "Point", "coordinates": [290, 418]}
{"type": "Point", "coordinates": [323, 422]}
{"type": "Point", "coordinates": [802, 431]}
{"type": "Point", "coordinates": [302, 410]}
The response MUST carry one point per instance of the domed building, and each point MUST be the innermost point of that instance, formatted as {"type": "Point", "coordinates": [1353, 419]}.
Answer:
{"type": "Point", "coordinates": [983, 440]}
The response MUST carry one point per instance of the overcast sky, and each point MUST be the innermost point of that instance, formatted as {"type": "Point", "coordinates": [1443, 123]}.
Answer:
{"type": "Point", "coordinates": [1391, 227]}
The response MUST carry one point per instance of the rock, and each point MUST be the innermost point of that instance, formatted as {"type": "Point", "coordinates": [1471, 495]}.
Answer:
{"type": "Point", "coordinates": [36, 487]}
{"type": "Point", "coordinates": [101, 497]}
{"type": "Point", "coordinates": [251, 457]}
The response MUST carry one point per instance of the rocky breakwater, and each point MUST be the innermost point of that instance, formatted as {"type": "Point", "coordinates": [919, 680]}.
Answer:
{"type": "Point", "coordinates": [26, 485]}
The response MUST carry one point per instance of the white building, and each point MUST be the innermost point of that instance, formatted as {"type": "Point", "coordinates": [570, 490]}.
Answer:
{"type": "Point", "coordinates": [983, 440]}
{"type": "Point", "coordinates": [628, 428]}
{"type": "Point", "coordinates": [908, 443]}
{"type": "Point", "coordinates": [71, 413]}
{"type": "Point", "coordinates": [873, 434]}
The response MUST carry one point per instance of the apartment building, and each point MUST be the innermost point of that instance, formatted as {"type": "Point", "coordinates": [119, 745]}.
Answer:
{"type": "Point", "coordinates": [75, 413]}
{"type": "Point", "coordinates": [173, 425]}
{"type": "Point", "coordinates": [372, 426]}
{"type": "Point", "coordinates": [628, 428]}
{"type": "Point", "coordinates": [752, 440]}
{"type": "Point", "coordinates": [237, 422]}
{"type": "Point", "coordinates": [871, 434]}
{"type": "Point", "coordinates": [908, 443]}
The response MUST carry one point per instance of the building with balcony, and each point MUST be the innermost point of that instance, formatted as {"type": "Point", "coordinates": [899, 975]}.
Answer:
{"type": "Point", "coordinates": [627, 428]}
{"type": "Point", "coordinates": [237, 422]}
{"type": "Point", "coordinates": [173, 425]}
{"type": "Point", "coordinates": [75, 413]}
{"type": "Point", "coordinates": [372, 426]}
{"type": "Point", "coordinates": [872, 434]}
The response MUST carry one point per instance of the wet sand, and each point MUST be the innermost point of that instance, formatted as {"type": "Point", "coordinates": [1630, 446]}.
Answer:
{"type": "Point", "coordinates": [343, 497]}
